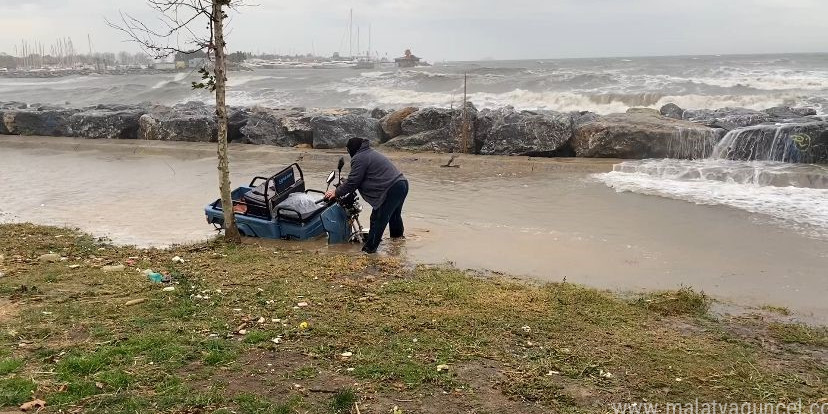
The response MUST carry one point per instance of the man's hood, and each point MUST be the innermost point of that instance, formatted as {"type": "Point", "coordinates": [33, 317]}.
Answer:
{"type": "Point", "coordinates": [356, 145]}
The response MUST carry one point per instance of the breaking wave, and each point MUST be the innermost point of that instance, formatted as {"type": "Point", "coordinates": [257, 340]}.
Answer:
{"type": "Point", "coordinates": [794, 195]}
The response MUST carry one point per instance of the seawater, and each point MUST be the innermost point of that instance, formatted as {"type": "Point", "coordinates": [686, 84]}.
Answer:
{"type": "Point", "coordinates": [602, 85]}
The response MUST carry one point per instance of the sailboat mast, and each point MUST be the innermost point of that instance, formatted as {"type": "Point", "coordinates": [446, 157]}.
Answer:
{"type": "Point", "coordinates": [368, 54]}
{"type": "Point", "coordinates": [351, 35]}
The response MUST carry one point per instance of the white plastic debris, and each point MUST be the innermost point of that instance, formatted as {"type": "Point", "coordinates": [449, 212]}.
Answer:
{"type": "Point", "coordinates": [114, 268]}
{"type": "Point", "coordinates": [346, 354]}
{"type": "Point", "coordinates": [526, 328]}
{"type": "Point", "coordinates": [302, 304]}
{"type": "Point", "coordinates": [48, 258]}
{"type": "Point", "coordinates": [442, 367]}
{"type": "Point", "coordinates": [177, 259]}
{"type": "Point", "coordinates": [168, 289]}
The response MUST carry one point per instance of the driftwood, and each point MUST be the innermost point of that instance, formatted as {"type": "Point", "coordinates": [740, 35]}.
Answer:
{"type": "Point", "coordinates": [449, 163]}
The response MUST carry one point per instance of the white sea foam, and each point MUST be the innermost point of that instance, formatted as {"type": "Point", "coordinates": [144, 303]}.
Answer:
{"type": "Point", "coordinates": [235, 81]}
{"type": "Point", "coordinates": [727, 184]}
{"type": "Point", "coordinates": [562, 101]}
{"type": "Point", "coordinates": [69, 80]}
{"type": "Point", "coordinates": [178, 77]}
{"type": "Point", "coordinates": [773, 80]}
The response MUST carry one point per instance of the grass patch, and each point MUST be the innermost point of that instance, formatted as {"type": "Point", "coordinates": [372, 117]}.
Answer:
{"type": "Point", "coordinates": [15, 391]}
{"type": "Point", "coordinates": [218, 352]}
{"type": "Point", "coordinates": [409, 331]}
{"type": "Point", "coordinates": [779, 310]}
{"type": "Point", "coordinates": [251, 404]}
{"type": "Point", "coordinates": [684, 301]}
{"type": "Point", "coordinates": [10, 365]}
{"type": "Point", "coordinates": [343, 401]}
{"type": "Point", "coordinates": [799, 334]}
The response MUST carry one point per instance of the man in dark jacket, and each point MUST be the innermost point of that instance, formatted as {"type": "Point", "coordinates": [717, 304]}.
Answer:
{"type": "Point", "coordinates": [381, 185]}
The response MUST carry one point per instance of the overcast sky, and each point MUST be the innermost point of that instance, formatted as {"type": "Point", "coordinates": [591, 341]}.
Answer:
{"type": "Point", "coordinates": [462, 29]}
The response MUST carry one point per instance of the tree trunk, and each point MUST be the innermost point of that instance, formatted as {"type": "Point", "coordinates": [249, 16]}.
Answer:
{"type": "Point", "coordinates": [231, 232]}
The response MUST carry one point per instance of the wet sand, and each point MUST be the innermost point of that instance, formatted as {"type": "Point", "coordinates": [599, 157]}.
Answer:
{"type": "Point", "coordinates": [544, 218]}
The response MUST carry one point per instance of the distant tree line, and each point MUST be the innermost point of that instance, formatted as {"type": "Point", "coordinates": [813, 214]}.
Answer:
{"type": "Point", "coordinates": [37, 60]}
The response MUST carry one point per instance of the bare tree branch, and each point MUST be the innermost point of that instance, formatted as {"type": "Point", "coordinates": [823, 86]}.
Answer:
{"type": "Point", "coordinates": [176, 17]}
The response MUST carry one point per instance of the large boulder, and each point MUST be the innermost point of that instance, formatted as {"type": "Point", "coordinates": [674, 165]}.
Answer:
{"type": "Point", "coordinates": [11, 108]}
{"type": "Point", "coordinates": [267, 126]}
{"type": "Point", "coordinates": [438, 130]}
{"type": "Point", "coordinates": [510, 132]}
{"type": "Point", "coordinates": [793, 142]}
{"type": "Point", "coordinates": [109, 123]}
{"type": "Point", "coordinates": [193, 122]}
{"type": "Point", "coordinates": [672, 110]}
{"type": "Point", "coordinates": [236, 120]}
{"type": "Point", "coordinates": [639, 135]}
{"type": "Point", "coordinates": [427, 119]}
{"type": "Point", "coordinates": [392, 123]}
{"type": "Point", "coordinates": [334, 131]}
{"type": "Point", "coordinates": [726, 118]}
{"type": "Point", "coordinates": [378, 113]}
{"type": "Point", "coordinates": [299, 126]}
{"type": "Point", "coordinates": [787, 113]}
{"type": "Point", "coordinates": [44, 120]}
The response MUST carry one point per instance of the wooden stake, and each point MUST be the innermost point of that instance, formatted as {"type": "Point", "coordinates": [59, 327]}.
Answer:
{"type": "Point", "coordinates": [464, 134]}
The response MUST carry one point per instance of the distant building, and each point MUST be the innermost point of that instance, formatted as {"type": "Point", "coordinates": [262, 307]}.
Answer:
{"type": "Point", "coordinates": [164, 66]}
{"type": "Point", "coordinates": [197, 63]}
{"type": "Point", "coordinates": [407, 61]}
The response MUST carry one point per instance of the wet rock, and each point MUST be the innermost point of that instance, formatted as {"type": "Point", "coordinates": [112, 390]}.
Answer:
{"type": "Point", "coordinates": [643, 111]}
{"type": "Point", "coordinates": [643, 135]}
{"type": "Point", "coordinates": [427, 120]}
{"type": "Point", "coordinates": [786, 113]}
{"type": "Point", "coordinates": [11, 108]}
{"type": "Point", "coordinates": [392, 123]}
{"type": "Point", "coordinates": [436, 129]}
{"type": "Point", "coordinates": [378, 113]}
{"type": "Point", "coordinates": [13, 105]}
{"type": "Point", "coordinates": [193, 122]}
{"type": "Point", "coordinates": [582, 117]}
{"type": "Point", "coordinates": [44, 120]}
{"type": "Point", "coordinates": [267, 126]}
{"type": "Point", "coordinates": [299, 127]}
{"type": "Point", "coordinates": [3, 129]}
{"type": "Point", "coordinates": [794, 142]}
{"type": "Point", "coordinates": [672, 110]}
{"type": "Point", "coordinates": [237, 118]}
{"type": "Point", "coordinates": [334, 131]}
{"type": "Point", "coordinates": [510, 132]}
{"type": "Point", "coordinates": [106, 123]}
{"type": "Point", "coordinates": [726, 118]}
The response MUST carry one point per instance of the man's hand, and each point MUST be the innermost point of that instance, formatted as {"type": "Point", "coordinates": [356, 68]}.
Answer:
{"type": "Point", "coordinates": [330, 195]}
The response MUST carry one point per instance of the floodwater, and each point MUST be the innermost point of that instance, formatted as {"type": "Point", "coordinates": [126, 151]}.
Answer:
{"type": "Point", "coordinates": [548, 219]}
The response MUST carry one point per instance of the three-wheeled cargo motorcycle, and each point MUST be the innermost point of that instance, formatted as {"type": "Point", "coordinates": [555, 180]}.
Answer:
{"type": "Point", "coordinates": [280, 207]}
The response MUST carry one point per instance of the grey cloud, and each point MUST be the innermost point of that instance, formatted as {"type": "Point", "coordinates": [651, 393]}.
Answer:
{"type": "Point", "coordinates": [466, 29]}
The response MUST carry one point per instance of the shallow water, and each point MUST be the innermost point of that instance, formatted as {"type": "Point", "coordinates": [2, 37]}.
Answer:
{"type": "Point", "coordinates": [549, 219]}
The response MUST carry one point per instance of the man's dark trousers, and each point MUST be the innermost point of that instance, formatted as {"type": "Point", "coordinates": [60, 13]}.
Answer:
{"type": "Point", "coordinates": [389, 213]}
